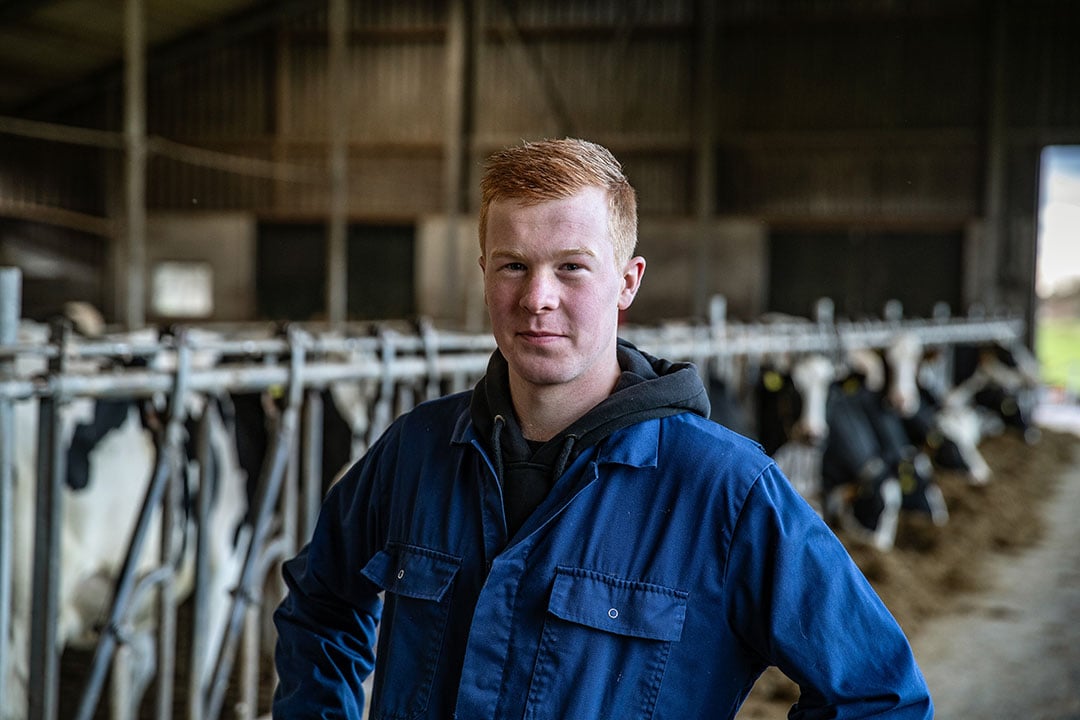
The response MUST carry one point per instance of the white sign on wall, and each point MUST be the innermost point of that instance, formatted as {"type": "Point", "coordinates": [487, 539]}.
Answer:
{"type": "Point", "coordinates": [182, 289]}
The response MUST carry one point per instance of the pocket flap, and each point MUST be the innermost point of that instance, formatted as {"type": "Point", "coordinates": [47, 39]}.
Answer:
{"type": "Point", "coordinates": [412, 571]}
{"type": "Point", "coordinates": [615, 605]}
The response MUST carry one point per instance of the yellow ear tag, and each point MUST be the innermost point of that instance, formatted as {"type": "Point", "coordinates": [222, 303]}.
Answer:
{"type": "Point", "coordinates": [772, 381]}
{"type": "Point", "coordinates": [851, 386]}
{"type": "Point", "coordinates": [908, 480]}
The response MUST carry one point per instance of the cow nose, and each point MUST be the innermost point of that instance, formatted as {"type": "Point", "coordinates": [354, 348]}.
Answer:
{"type": "Point", "coordinates": [809, 434]}
{"type": "Point", "coordinates": [907, 404]}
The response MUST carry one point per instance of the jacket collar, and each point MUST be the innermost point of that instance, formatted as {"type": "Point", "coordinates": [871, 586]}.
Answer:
{"type": "Point", "coordinates": [636, 445]}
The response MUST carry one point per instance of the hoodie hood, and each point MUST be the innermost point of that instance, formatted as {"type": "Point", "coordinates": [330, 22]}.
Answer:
{"type": "Point", "coordinates": [648, 388]}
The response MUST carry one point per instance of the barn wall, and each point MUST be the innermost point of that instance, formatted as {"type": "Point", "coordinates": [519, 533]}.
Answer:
{"type": "Point", "coordinates": [449, 282]}
{"type": "Point", "coordinates": [224, 240]}
{"type": "Point", "coordinates": [685, 258]}
{"type": "Point", "coordinates": [839, 114]}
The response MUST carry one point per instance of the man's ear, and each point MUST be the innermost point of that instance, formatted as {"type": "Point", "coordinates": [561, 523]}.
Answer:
{"type": "Point", "coordinates": [483, 278]}
{"type": "Point", "coordinates": [631, 275]}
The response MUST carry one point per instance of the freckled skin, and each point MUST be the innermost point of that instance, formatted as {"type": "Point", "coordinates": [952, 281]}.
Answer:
{"type": "Point", "coordinates": [554, 291]}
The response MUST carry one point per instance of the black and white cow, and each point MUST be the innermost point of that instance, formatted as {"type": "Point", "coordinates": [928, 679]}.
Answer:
{"type": "Point", "coordinates": [110, 455]}
{"type": "Point", "coordinates": [866, 472]}
{"type": "Point", "coordinates": [790, 421]}
{"type": "Point", "coordinates": [949, 413]}
{"type": "Point", "coordinates": [1000, 380]}
{"type": "Point", "coordinates": [866, 380]}
{"type": "Point", "coordinates": [821, 440]}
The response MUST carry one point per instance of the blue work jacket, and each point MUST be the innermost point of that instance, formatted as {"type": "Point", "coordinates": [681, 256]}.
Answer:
{"type": "Point", "coordinates": [668, 567]}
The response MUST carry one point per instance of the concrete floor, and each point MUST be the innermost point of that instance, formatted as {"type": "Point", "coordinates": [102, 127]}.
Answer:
{"type": "Point", "coordinates": [1014, 652]}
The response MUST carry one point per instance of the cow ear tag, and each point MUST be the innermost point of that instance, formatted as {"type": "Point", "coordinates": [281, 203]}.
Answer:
{"type": "Point", "coordinates": [772, 381]}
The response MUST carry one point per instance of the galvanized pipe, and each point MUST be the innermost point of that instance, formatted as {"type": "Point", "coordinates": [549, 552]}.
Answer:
{"type": "Point", "coordinates": [170, 559]}
{"type": "Point", "coordinates": [142, 383]}
{"type": "Point", "coordinates": [390, 364]}
{"type": "Point", "coordinates": [200, 602]}
{"type": "Point", "coordinates": [265, 501]}
{"type": "Point", "coordinates": [311, 478]}
{"type": "Point", "coordinates": [122, 595]}
{"type": "Point", "coordinates": [10, 303]}
{"type": "Point", "coordinates": [44, 652]}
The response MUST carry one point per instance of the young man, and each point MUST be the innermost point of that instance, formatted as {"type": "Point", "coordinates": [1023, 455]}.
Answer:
{"type": "Point", "coordinates": [574, 539]}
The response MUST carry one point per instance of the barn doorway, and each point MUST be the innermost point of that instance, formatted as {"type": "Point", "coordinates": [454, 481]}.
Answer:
{"type": "Point", "coordinates": [861, 270]}
{"type": "Point", "coordinates": [290, 281]}
{"type": "Point", "coordinates": [1057, 273]}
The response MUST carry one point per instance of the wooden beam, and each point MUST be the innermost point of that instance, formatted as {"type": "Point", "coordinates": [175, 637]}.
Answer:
{"type": "Point", "coordinates": [59, 217]}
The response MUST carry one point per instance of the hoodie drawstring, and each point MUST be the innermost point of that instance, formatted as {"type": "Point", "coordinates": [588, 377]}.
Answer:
{"type": "Point", "coordinates": [496, 446]}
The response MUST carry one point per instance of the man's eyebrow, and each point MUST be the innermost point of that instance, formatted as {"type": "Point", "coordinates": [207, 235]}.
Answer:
{"type": "Point", "coordinates": [512, 254]}
{"type": "Point", "coordinates": [578, 251]}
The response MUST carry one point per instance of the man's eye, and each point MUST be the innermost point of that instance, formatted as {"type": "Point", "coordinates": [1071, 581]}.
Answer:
{"type": "Point", "coordinates": [572, 266]}
{"type": "Point", "coordinates": [515, 266]}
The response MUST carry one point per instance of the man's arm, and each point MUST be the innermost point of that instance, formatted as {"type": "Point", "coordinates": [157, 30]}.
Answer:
{"type": "Point", "coordinates": [327, 622]}
{"type": "Point", "coordinates": [325, 649]}
{"type": "Point", "coordinates": [804, 605]}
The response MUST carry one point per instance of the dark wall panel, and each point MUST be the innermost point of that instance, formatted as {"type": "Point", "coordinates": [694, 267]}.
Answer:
{"type": "Point", "coordinates": [291, 272]}
{"type": "Point", "coordinates": [860, 272]}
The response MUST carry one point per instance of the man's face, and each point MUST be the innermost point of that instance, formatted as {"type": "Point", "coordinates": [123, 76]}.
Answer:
{"type": "Point", "coordinates": [553, 290]}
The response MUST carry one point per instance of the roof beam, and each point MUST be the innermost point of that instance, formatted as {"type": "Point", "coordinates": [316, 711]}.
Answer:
{"type": "Point", "coordinates": [14, 10]}
{"type": "Point", "coordinates": [194, 44]}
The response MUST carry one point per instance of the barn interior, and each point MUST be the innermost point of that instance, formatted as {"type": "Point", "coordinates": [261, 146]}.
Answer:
{"type": "Point", "coordinates": [242, 162]}
{"type": "Point", "coordinates": [297, 168]}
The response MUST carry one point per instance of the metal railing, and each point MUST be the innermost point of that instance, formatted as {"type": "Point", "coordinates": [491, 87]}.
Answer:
{"type": "Point", "coordinates": [394, 366]}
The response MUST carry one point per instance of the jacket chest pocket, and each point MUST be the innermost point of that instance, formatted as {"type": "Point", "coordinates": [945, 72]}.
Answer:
{"type": "Point", "coordinates": [416, 582]}
{"type": "Point", "coordinates": [604, 647]}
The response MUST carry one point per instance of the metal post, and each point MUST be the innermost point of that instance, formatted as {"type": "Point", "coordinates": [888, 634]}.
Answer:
{"type": "Point", "coordinates": [337, 249]}
{"type": "Point", "coordinates": [125, 584]}
{"type": "Point", "coordinates": [200, 603]}
{"type": "Point", "coordinates": [705, 152]}
{"type": "Point", "coordinates": [44, 653]}
{"type": "Point", "coordinates": [266, 499]}
{"type": "Point", "coordinates": [135, 144]}
{"type": "Point", "coordinates": [10, 304]}
{"type": "Point", "coordinates": [311, 498]}
{"type": "Point", "coordinates": [455, 141]}
{"type": "Point", "coordinates": [166, 646]}
{"type": "Point", "coordinates": [249, 661]}
{"type": "Point", "coordinates": [990, 270]}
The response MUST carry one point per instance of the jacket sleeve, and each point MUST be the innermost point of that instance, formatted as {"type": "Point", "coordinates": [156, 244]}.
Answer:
{"type": "Point", "coordinates": [801, 602]}
{"type": "Point", "coordinates": [327, 622]}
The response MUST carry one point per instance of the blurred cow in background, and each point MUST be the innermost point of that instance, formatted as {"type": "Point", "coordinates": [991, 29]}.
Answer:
{"type": "Point", "coordinates": [111, 448]}
{"type": "Point", "coordinates": [952, 398]}
{"type": "Point", "coordinates": [831, 430]}
{"type": "Point", "coordinates": [821, 438]}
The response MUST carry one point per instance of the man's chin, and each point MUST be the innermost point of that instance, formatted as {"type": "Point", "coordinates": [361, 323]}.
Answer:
{"type": "Point", "coordinates": [539, 370]}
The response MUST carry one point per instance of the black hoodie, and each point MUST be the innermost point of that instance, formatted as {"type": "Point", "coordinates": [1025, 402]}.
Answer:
{"type": "Point", "coordinates": [648, 388]}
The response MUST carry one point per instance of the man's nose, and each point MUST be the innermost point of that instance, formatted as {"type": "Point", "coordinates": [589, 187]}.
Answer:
{"type": "Point", "coordinates": [540, 292]}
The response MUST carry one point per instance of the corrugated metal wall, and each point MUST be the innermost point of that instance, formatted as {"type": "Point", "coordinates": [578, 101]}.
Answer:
{"type": "Point", "coordinates": [835, 111]}
{"type": "Point", "coordinates": [818, 104]}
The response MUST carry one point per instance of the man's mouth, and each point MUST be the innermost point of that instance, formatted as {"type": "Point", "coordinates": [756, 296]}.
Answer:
{"type": "Point", "coordinates": [539, 335]}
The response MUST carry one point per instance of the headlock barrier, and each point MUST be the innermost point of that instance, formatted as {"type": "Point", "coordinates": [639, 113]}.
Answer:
{"type": "Point", "coordinates": [373, 372]}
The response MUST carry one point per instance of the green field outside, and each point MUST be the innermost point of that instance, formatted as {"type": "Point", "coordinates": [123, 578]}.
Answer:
{"type": "Point", "coordinates": [1057, 345]}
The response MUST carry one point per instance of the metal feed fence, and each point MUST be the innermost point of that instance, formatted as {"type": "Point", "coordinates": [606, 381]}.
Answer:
{"type": "Point", "coordinates": [389, 367]}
